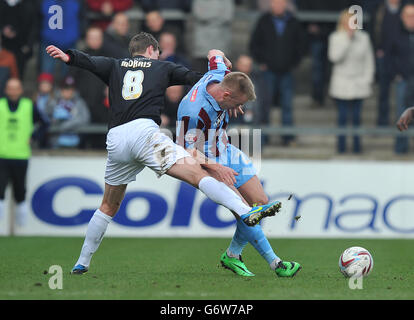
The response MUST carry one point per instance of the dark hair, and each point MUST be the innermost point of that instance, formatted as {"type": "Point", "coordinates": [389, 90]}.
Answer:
{"type": "Point", "coordinates": [140, 42]}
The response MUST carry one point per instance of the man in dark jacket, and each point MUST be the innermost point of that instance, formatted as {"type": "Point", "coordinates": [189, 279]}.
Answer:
{"type": "Point", "coordinates": [117, 36]}
{"type": "Point", "coordinates": [277, 45]}
{"type": "Point", "coordinates": [402, 53]}
{"type": "Point", "coordinates": [18, 29]}
{"type": "Point", "coordinates": [386, 25]}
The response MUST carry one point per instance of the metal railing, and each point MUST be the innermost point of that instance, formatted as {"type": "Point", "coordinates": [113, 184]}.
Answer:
{"type": "Point", "coordinates": [171, 14]}
{"type": "Point", "coordinates": [102, 129]}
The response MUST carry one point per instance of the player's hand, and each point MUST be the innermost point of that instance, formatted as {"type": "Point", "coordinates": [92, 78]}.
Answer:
{"type": "Point", "coordinates": [227, 62]}
{"type": "Point", "coordinates": [405, 119]}
{"type": "Point", "coordinates": [222, 173]}
{"type": "Point", "coordinates": [236, 111]}
{"type": "Point", "coordinates": [56, 53]}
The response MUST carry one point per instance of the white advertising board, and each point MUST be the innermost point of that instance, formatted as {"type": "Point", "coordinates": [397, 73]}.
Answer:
{"type": "Point", "coordinates": [333, 198]}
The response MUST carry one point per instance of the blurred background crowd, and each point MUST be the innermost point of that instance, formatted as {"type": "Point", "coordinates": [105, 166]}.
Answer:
{"type": "Point", "coordinates": [309, 67]}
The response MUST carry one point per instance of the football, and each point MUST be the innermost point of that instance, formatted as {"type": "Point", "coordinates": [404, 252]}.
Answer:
{"type": "Point", "coordinates": [356, 261]}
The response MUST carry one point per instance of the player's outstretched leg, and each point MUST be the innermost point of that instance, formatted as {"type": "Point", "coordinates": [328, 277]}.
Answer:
{"type": "Point", "coordinates": [97, 226]}
{"type": "Point", "coordinates": [191, 172]}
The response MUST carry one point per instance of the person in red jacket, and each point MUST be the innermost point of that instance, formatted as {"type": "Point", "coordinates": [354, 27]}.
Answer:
{"type": "Point", "coordinates": [106, 9]}
{"type": "Point", "coordinates": [8, 67]}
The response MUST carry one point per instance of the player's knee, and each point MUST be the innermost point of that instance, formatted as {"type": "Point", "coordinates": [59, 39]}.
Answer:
{"type": "Point", "coordinates": [260, 200]}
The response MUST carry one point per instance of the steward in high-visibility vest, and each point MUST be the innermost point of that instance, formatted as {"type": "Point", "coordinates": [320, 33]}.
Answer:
{"type": "Point", "coordinates": [17, 118]}
{"type": "Point", "coordinates": [16, 129]}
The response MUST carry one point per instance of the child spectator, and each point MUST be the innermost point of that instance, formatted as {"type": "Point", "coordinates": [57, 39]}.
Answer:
{"type": "Point", "coordinates": [45, 101]}
{"type": "Point", "coordinates": [69, 113]}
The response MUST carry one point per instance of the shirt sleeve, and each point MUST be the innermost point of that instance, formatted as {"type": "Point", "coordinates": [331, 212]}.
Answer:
{"type": "Point", "coordinates": [180, 75]}
{"type": "Point", "coordinates": [100, 66]}
{"type": "Point", "coordinates": [216, 65]}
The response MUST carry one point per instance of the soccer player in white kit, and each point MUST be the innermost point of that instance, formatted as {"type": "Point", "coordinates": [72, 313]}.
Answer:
{"type": "Point", "coordinates": [134, 141]}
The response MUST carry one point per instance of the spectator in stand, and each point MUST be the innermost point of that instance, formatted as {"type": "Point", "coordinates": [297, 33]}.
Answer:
{"type": "Point", "coordinates": [45, 101]}
{"type": "Point", "coordinates": [91, 88]}
{"type": "Point", "coordinates": [317, 34]}
{"type": "Point", "coordinates": [73, 22]}
{"type": "Point", "coordinates": [387, 26]}
{"type": "Point", "coordinates": [351, 54]}
{"type": "Point", "coordinates": [117, 37]}
{"type": "Point", "coordinates": [174, 94]}
{"type": "Point", "coordinates": [265, 5]}
{"type": "Point", "coordinates": [402, 54]}
{"type": "Point", "coordinates": [277, 45]}
{"type": "Point", "coordinates": [18, 115]}
{"type": "Point", "coordinates": [155, 24]}
{"type": "Point", "coordinates": [370, 8]}
{"type": "Point", "coordinates": [184, 6]}
{"type": "Point", "coordinates": [8, 68]}
{"type": "Point", "coordinates": [18, 28]}
{"type": "Point", "coordinates": [244, 63]}
{"type": "Point", "coordinates": [168, 45]}
{"type": "Point", "coordinates": [211, 29]}
{"type": "Point", "coordinates": [69, 113]}
{"type": "Point", "coordinates": [105, 10]}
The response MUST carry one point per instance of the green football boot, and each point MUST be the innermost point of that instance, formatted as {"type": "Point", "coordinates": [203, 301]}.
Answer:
{"type": "Point", "coordinates": [235, 265]}
{"type": "Point", "coordinates": [287, 269]}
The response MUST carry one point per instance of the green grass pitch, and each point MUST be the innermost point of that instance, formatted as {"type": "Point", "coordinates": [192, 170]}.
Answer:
{"type": "Point", "coordinates": [181, 269]}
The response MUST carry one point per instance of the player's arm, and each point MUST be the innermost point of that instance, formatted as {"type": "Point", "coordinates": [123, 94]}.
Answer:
{"type": "Point", "coordinates": [180, 75]}
{"type": "Point", "coordinates": [214, 53]}
{"type": "Point", "coordinates": [100, 66]}
{"type": "Point", "coordinates": [219, 63]}
{"type": "Point", "coordinates": [405, 119]}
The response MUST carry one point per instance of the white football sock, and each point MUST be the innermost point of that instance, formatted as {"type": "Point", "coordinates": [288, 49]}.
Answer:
{"type": "Point", "coordinates": [94, 234]}
{"type": "Point", "coordinates": [22, 212]}
{"type": "Point", "coordinates": [220, 193]}
{"type": "Point", "coordinates": [1, 209]}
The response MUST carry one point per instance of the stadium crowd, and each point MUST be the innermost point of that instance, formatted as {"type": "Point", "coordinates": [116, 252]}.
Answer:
{"type": "Point", "coordinates": [345, 62]}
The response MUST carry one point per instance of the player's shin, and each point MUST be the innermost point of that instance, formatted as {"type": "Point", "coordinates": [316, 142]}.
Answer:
{"type": "Point", "coordinates": [94, 234]}
{"type": "Point", "coordinates": [258, 240]}
{"type": "Point", "coordinates": [222, 194]}
{"type": "Point", "coordinates": [237, 244]}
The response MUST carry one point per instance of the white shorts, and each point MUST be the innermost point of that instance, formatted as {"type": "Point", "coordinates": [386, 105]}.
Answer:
{"type": "Point", "coordinates": [138, 144]}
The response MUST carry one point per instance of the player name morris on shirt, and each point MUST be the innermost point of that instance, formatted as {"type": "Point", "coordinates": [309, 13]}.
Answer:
{"type": "Point", "coordinates": [132, 63]}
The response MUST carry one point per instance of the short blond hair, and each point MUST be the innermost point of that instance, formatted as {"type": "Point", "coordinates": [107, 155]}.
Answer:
{"type": "Point", "coordinates": [240, 82]}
